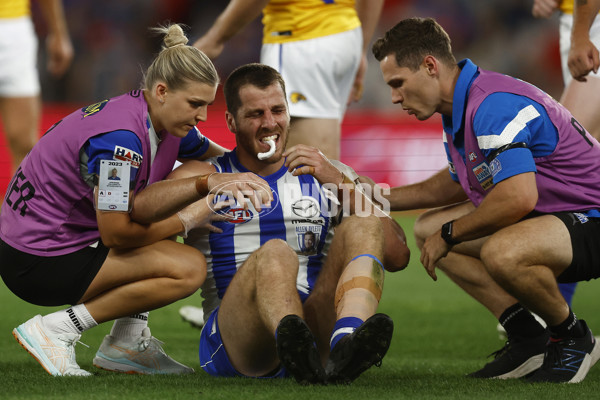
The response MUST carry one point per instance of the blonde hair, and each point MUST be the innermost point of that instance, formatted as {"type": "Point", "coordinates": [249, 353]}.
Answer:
{"type": "Point", "coordinates": [177, 63]}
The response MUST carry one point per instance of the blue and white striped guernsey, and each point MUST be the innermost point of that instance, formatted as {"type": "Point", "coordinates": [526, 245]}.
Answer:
{"type": "Point", "coordinates": [300, 205]}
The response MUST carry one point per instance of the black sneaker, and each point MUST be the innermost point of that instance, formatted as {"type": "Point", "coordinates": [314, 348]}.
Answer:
{"type": "Point", "coordinates": [519, 357]}
{"type": "Point", "coordinates": [358, 351]}
{"type": "Point", "coordinates": [568, 360]}
{"type": "Point", "coordinates": [298, 352]}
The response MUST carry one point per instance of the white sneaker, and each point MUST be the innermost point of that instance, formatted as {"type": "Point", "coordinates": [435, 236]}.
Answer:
{"type": "Point", "coordinates": [193, 315]}
{"type": "Point", "coordinates": [54, 351]}
{"type": "Point", "coordinates": [143, 355]}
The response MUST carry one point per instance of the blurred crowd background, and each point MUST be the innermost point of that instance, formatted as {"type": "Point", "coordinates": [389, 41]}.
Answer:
{"type": "Point", "coordinates": [113, 44]}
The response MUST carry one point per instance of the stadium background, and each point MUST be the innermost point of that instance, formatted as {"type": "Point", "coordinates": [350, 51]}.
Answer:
{"type": "Point", "coordinates": [113, 46]}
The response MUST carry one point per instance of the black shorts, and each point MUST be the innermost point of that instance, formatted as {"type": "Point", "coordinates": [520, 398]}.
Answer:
{"type": "Point", "coordinates": [50, 281]}
{"type": "Point", "coordinates": [585, 240]}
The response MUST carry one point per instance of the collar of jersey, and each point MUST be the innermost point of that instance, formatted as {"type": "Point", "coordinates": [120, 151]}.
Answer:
{"type": "Point", "coordinates": [269, 178]}
{"type": "Point", "coordinates": [468, 73]}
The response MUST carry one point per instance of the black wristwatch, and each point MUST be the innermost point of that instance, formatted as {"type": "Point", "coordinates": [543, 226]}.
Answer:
{"type": "Point", "coordinates": [447, 234]}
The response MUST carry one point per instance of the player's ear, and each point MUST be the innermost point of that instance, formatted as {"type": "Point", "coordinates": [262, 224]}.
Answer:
{"type": "Point", "coordinates": [430, 64]}
{"type": "Point", "coordinates": [230, 122]}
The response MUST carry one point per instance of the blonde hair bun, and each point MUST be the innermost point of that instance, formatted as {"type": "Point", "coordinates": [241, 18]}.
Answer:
{"type": "Point", "coordinates": [175, 36]}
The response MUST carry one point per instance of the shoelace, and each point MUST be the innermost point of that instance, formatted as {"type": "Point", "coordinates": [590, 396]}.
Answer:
{"type": "Point", "coordinates": [145, 343]}
{"type": "Point", "coordinates": [500, 352]}
{"type": "Point", "coordinates": [554, 354]}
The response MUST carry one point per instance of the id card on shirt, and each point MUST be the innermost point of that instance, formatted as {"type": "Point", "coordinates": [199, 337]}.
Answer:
{"type": "Point", "coordinates": [113, 185]}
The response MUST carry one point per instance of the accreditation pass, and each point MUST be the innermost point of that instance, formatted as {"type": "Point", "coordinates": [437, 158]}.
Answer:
{"type": "Point", "coordinates": [113, 185]}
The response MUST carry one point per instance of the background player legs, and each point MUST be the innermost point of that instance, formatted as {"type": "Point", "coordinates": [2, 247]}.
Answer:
{"type": "Point", "coordinates": [583, 100]}
{"type": "Point", "coordinates": [321, 133]}
{"type": "Point", "coordinates": [20, 119]}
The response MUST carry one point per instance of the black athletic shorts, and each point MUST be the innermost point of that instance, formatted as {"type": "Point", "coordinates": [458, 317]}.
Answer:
{"type": "Point", "coordinates": [585, 241]}
{"type": "Point", "coordinates": [50, 281]}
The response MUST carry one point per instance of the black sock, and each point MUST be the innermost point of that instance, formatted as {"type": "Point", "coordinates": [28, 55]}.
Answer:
{"type": "Point", "coordinates": [517, 320]}
{"type": "Point", "coordinates": [569, 328]}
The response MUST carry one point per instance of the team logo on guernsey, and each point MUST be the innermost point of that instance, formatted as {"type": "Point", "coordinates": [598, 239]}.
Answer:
{"type": "Point", "coordinates": [238, 215]}
{"type": "Point", "coordinates": [484, 175]}
{"type": "Point", "coordinates": [125, 154]}
{"type": "Point", "coordinates": [306, 207]}
{"type": "Point", "coordinates": [308, 238]}
{"type": "Point", "coordinates": [472, 156]}
{"type": "Point", "coordinates": [296, 97]}
{"type": "Point", "coordinates": [93, 108]}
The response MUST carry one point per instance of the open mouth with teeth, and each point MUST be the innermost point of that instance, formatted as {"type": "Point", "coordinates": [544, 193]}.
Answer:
{"type": "Point", "coordinates": [265, 141]}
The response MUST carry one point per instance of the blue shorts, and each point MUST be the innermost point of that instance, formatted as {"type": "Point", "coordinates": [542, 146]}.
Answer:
{"type": "Point", "coordinates": [213, 357]}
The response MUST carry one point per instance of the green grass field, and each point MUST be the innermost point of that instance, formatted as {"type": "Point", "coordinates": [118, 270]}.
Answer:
{"type": "Point", "coordinates": [440, 335]}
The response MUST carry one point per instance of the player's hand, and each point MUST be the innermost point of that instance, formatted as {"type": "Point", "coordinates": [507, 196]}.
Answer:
{"type": "Point", "coordinates": [583, 58]}
{"type": "Point", "coordinates": [359, 81]}
{"type": "Point", "coordinates": [60, 54]}
{"type": "Point", "coordinates": [242, 187]}
{"type": "Point", "coordinates": [201, 214]}
{"type": "Point", "coordinates": [544, 8]}
{"type": "Point", "coordinates": [434, 249]}
{"type": "Point", "coordinates": [307, 160]}
{"type": "Point", "coordinates": [211, 48]}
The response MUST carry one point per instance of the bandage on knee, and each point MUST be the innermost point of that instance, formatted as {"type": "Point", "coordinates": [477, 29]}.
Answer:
{"type": "Point", "coordinates": [358, 282]}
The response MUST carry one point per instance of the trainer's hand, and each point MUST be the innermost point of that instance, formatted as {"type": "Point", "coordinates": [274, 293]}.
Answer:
{"type": "Point", "coordinates": [433, 250]}
{"type": "Point", "coordinates": [242, 187]}
{"type": "Point", "coordinates": [307, 160]}
{"type": "Point", "coordinates": [544, 8]}
{"type": "Point", "coordinates": [201, 214]}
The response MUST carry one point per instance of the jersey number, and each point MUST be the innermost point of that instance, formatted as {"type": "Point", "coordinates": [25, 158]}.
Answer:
{"type": "Point", "coordinates": [580, 130]}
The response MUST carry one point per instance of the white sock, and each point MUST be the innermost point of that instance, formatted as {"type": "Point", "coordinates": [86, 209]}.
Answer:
{"type": "Point", "coordinates": [128, 327]}
{"type": "Point", "coordinates": [75, 319]}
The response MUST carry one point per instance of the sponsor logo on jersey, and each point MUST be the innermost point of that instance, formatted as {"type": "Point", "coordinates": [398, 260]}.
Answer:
{"type": "Point", "coordinates": [472, 156]}
{"type": "Point", "coordinates": [296, 97]}
{"type": "Point", "coordinates": [306, 207]}
{"type": "Point", "coordinates": [495, 166]}
{"type": "Point", "coordinates": [484, 175]}
{"type": "Point", "coordinates": [581, 217]}
{"type": "Point", "coordinates": [93, 108]}
{"type": "Point", "coordinates": [125, 154]}
{"type": "Point", "coordinates": [238, 215]}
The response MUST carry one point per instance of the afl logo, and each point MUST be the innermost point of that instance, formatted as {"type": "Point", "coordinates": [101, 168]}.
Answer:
{"type": "Point", "coordinates": [112, 207]}
{"type": "Point", "coordinates": [238, 215]}
{"type": "Point", "coordinates": [307, 207]}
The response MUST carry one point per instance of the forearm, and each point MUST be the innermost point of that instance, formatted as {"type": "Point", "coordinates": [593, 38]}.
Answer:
{"type": "Point", "coordinates": [436, 191]}
{"type": "Point", "coordinates": [53, 13]}
{"type": "Point", "coordinates": [163, 199]}
{"type": "Point", "coordinates": [236, 16]}
{"type": "Point", "coordinates": [507, 203]}
{"type": "Point", "coordinates": [118, 231]}
{"type": "Point", "coordinates": [368, 12]}
{"type": "Point", "coordinates": [584, 13]}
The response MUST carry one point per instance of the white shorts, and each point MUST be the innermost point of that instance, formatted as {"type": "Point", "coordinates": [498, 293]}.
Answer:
{"type": "Point", "coordinates": [18, 58]}
{"type": "Point", "coordinates": [566, 22]}
{"type": "Point", "coordinates": [318, 73]}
